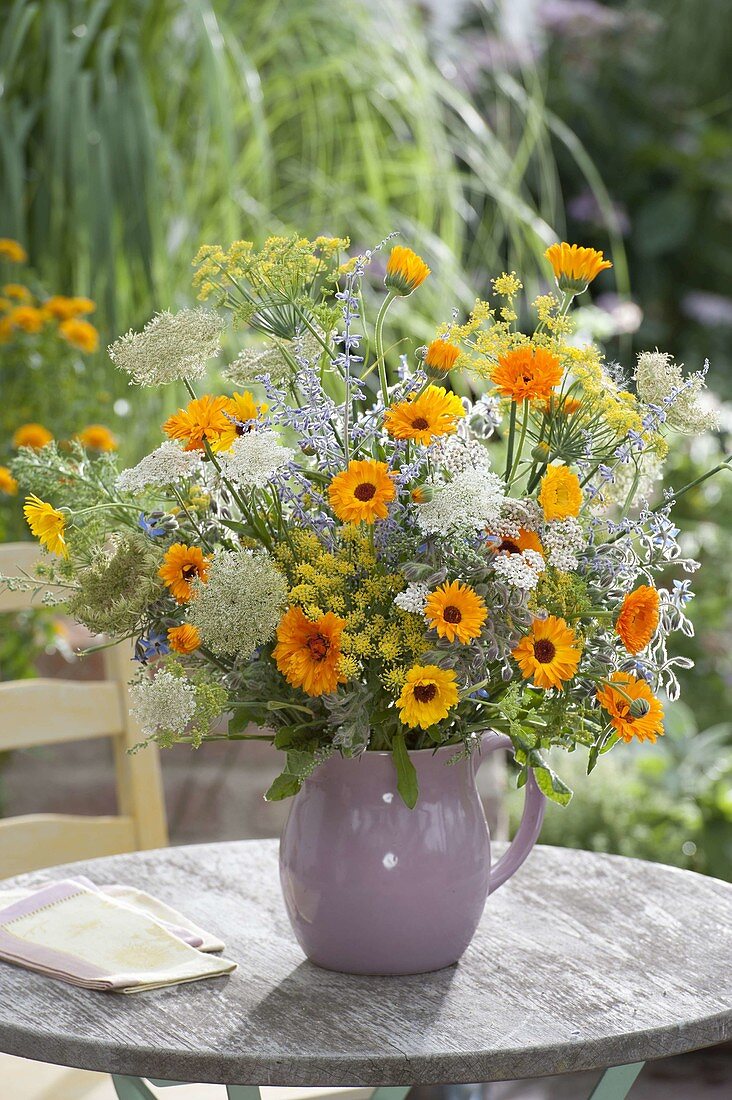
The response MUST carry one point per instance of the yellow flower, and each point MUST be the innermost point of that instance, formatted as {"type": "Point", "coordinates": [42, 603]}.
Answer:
{"type": "Point", "coordinates": [63, 308]}
{"type": "Point", "coordinates": [245, 410]}
{"type": "Point", "coordinates": [433, 413]}
{"type": "Point", "coordinates": [181, 566]}
{"type": "Point", "coordinates": [184, 639]}
{"type": "Point", "coordinates": [427, 696]}
{"type": "Point", "coordinates": [31, 435]}
{"type": "Point", "coordinates": [27, 318]}
{"type": "Point", "coordinates": [80, 334]}
{"type": "Point", "coordinates": [12, 250]}
{"type": "Point", "coordinates": [575, 267]}
{"type": "Point", "coordinates": [405, 270]}
{"type": "Point", "coordinates": [307, 653]}
{"type": "Point", "coordinates": [8, 484]}
{"type": "Point", "coordinates": [456, 611]}
{"type": "Point", "coordinates": [47, 524]}
{"type": "Point", "coordinates": [549, 655]}
{"type": "Point", "coordinates": [17, 291]}
{"type": "Point", "coordinates": [441, 357]}
{"type": "Point", "coordinates": [203, 418]}
{"type": "Point", "coordinates": [633, 708]}
{"type": "Point", "coordinates": [560, 494]}
{"type": "Point", "coordinates": [527, 374]}
{"type": "Point", "coordinates": [361, 493]}
{"type": "Point", "coordinates": [507, 285]}
{"type": "Point", "coordinates": [638, 618]}
{"type": "Point", "coordinates": [97, 438]}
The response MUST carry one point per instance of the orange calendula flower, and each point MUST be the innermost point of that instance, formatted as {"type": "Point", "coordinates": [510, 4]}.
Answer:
{"type": "Point", "coordinates": [80, 334]}
{"type": "Point", "coordinates": [638, 618]}
{"type": "Point", "coordinates": [31, 435]}
{"type": "Point", "coordinates": [405, 270]}
{"type": "Point", "coordinates": [8, 484]}
{"type": "Point", "coordinates": [428, 695]}
{"type": "Point", "coordinates": [525, 540]}
{"type": "Point", "coordinates": [433, 413]}
{"type": "Point", "coordinates": [182, 565]}
{"type": "Point", "coordinates": [17, 291]}
{"type": "Point", "coordinates": [60, 307]}
{"type": "Point", "coordinates": [184, 639]}
{"type": "Point", "coordinates": [441, 357]}
{"type": "Point", "coordinates": [47, 524]}
{"type": "Point", "coordinates": [550, 654]}
{"type": "Point", "coordinates": [575, 267]}
{"type": "Point", "coordinates": [308, 652]}
{"type": "Point", "coordinates": [456, 611]}
{"type": "Point", "coordinates": [12, 250]}
{"type": "Point", "coordinates": [361, 493]}
{"type": "Point", "coordinates": [527, 374]}
{"type": "Point", "coordinates": [567, 406]}
{"type": "Point", "coordinates": [634, 710]}
{"type": "Point", "coordinates": [243, 410]}
{"type": "Point", "coordinates": [27, 318]}
{"type": "Point", "coordinates": [560, 494]}
{"type": "Point", "coordinates": [203, 418]}
{"type": "Point", "coordinates": [97, 438]}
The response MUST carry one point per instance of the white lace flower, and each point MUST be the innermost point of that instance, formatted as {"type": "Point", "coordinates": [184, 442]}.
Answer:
{"type": "Point", "coordinates": [454, 455]}
{"type": "Point", "coordinates": [413, 597]}
{"type": "Point", "coordinates": [520, 570]}
{"type": "Point", "coordinates": [255, 458]}
{"type": "Point", "coordinates": [275, 360]}
{"type": "Point", "coordinates": [661, 382]}
{"type": "Point", "coordinates": [470, 502]}
{"type": "Point", "coordinates": [240, 605]}
{"type": "Point", "coordinates": [171, 347]}
{"type": "Point", "coordinates": [564, 540]}
{"type": "Point", "coordinates": [166, 702]}
{"type": "Point", "coordinates": [517, 515]}
{"type": "Point", "coordinates": [164, 466]}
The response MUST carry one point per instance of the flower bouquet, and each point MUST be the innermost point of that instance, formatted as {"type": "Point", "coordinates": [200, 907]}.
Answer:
{"type": "Point", "coordinates": [351, 559]}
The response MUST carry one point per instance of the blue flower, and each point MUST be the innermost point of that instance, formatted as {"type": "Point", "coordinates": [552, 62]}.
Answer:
{"type": "Point", "coordinates": [151, 525]}
{"type": "Point", "coordinates": [154, 645]}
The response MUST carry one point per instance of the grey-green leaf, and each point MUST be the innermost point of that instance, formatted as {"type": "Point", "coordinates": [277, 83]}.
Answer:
{"type": "Point", "coordinates": [407, 784]}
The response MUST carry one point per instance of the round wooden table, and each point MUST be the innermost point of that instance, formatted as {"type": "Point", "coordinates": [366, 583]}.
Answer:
{"type": "Point", "coordinates": [581, 961]}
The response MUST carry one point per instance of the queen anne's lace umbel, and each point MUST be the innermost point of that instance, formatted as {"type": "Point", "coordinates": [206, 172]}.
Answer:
{"type": "Point", "coordinates": [172, 347]}
{"type": "Point", "coordinates": [166, 465]}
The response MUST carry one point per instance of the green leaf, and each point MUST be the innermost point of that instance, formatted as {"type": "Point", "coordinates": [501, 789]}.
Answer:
{"type": "Point", "coordinates": [284, 786]}
{"type": "Point", "coordinates": [407, 784]}
{"type": "Point", "coordinates": [548, 781]}
{"type": "Point", "coordinates": [239, 720]}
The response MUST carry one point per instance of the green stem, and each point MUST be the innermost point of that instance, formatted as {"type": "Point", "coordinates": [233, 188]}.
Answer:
{"type": "Point", "coordinates": [522, 440]}
{"type": "Point", "coordinates": [511, 435]}
{"type": "Point", "coordinates": [379, 341]}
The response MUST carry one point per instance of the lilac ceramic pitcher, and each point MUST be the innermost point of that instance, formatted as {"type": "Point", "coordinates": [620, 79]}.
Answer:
{"type": "Point", "coordinates": [372, 887]}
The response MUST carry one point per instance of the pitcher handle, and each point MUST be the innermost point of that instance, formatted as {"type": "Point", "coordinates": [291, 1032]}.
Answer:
{"type": "Point", "coordinates": [531, 820]}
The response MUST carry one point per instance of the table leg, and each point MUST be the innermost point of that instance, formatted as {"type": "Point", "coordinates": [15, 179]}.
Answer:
{"type": "Point", "coordinates": [131, 1088]}
{"type": "Point", "coordinates": [242, 1092]}
{"type": "Point", "coordinates": [390, 1093]}
{"type": "Point", "coordinates": [616, 1082]}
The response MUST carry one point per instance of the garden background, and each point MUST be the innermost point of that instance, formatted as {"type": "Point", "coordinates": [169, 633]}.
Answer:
{"type": "Point", "coordinates": [132, 131]}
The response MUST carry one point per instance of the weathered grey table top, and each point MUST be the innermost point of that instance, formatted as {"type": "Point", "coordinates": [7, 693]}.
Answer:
{"type": "Point", "coordinates": [581, 961]}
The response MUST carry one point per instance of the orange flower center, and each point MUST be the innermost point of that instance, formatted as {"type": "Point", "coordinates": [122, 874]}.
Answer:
{"type": "Point", "coordinates": [364, 491]}
{"type": "Point", "coordinates": [420, 423]}
{"type": "Point", "coordinates": [318, 646]}
{"type": "Point", "coordinates": [544, 651]}
{"type": "Point", "coordinates": [452, 614]}
{"type": "Point", "coordinates": [425, 693]}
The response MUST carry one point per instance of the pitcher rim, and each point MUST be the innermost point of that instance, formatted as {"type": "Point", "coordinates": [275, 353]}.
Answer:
{"type": "Point", "coordinates": [457, 747]}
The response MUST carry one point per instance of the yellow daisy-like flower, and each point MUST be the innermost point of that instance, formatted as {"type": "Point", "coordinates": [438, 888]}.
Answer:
{"type": "Point", "coordinates": [244, 410]}
{"type": "Point", "coordinates": [361, 493]}
{"type": "Point", "coordinates": [47, 524]}
{"type": "Point", "coordinates": [203, 418]}
{"type": "Point", "coordinates": [182, 565]}
{"type": "Point", "coordinates": [31, 435]}
{"type": "Point", "coordinates": [97, 438]}
{"type": "Point", "coordinates": [550, 654]}
{"type": "Point", "coordinates": [17, 291]}
{"type": "Point", "coordinates": [28, 318]}
{"type": "Point", "coordinates": [456, 611]}
{"type": "Point", "coordinates": [638, 618]}
{"type": "Point", "coordinates": [575, 267]}
{"type": "Point", "coordinates": [428, 695]}
{"type": "Point", "coordinates": [80, 334]}
{"type": "Point", "coordinates": [634, 710]}
{"type": "Point", "coordinates": [434, 413]}
{"type": "Point", "coordinates": [525, 540]}
{"type": "Point", "coordinates": [308, 653]}
{"type": "Point", "coordinates": [405, 270]}
{"type": "Point", "coordinates": [8, 484]}
{"type": "Point", "coordinates": [560, 494]}
{"type": "Point", "coordinates": [184, 639]}
{"type": "Point", "coordinates": [441, 357]}
{"type": "Point", "coordinates": [527, 374]}
{"type": "Point", "coordinates": [59, 307]}
{"type": "Point", "coordinates": [12, 250]}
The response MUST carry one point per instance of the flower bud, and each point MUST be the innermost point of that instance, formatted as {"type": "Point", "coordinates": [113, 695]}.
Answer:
{"type": "Point", "coordinates": [639, 708]}
{"type": "Point", "coordinates": [541, 452]}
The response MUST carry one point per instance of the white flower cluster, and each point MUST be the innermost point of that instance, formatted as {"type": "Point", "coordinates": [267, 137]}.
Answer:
{"type": "Point", "coordinates": [171, 347]}
{"type": "Point", "coordinates": [658, 379]}
{"type": "Point", "coordinates": [276, 361]}
{"type": "Point", "coordinates": [515, 515]}
{"type": "Point", "coordinates": [255, 458]}
{"type": "Point", "coordinates": [563, 540]}
{"type": "Point", "coordinates": [166, 702]}
{"type": "Point", "coordinates": [240, 605]}
{"type": "Point", "coordinates": [164, 466]}
{"type": "Point", "coordinates": [647, 466]}
{"type": "Point", "coordinates": [454, 454]}
{"type": "Point", "coordinates": [519, 570]}
{"type": "Point", "coordinates": [413, 598]}
{"type": "Point", "coordinates": [470, 502]}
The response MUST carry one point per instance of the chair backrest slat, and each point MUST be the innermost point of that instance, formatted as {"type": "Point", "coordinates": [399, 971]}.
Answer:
{"type": "Point", "coordinates": [34, 841]}
{"type": "Point", "coordinates": [46, 712]}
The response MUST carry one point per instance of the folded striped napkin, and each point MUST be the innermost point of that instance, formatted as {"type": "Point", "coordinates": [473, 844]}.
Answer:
{"type": "Point", "coordinates": [112, 938]}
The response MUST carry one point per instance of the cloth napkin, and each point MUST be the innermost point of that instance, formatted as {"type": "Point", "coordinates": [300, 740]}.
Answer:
{"type": "Point", "coordinates": [113, 938]}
